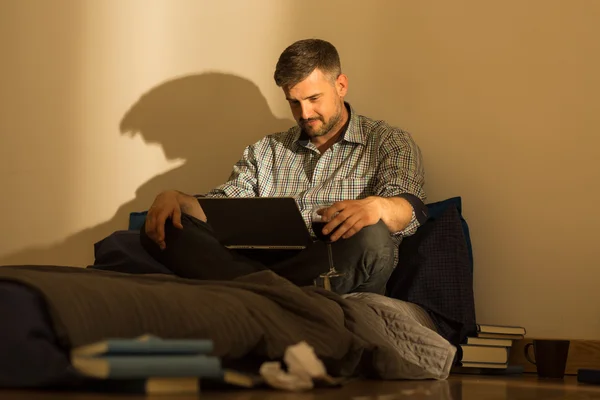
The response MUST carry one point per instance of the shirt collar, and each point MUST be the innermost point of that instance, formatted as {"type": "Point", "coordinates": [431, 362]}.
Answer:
{"type": "Point", "coordinates": [353, 132]}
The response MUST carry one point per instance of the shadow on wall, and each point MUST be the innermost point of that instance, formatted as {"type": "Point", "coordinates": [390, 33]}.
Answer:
{"type": "Point", "coordinates": [206, 119]}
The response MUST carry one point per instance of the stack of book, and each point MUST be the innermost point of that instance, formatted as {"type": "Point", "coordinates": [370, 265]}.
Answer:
{"type": "Point", "coordinates": [489, 349]}
{"type": "Point", "coordinates": [149, 364]}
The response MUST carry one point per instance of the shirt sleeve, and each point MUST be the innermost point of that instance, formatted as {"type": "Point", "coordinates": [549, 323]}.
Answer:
{"type": "Point", "coordinates": [242, 181]}
{"type": "Point", "coordinates": [401, 172]}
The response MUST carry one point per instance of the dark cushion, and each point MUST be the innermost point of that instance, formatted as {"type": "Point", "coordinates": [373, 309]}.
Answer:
{"type": "Point", "coordinates": [436, 209]}
{"type": "Point", "coordinates": [122, 251]}
{"type": "Point", "coordinates": [435, 271]}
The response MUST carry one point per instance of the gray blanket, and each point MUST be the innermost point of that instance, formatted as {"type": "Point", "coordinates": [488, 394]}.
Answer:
{"type": "Point", "coordinates": [258, 315]}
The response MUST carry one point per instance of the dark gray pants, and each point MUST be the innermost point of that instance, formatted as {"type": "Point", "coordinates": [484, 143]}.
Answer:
{"type": "Point", "coordinates": [194, 252]}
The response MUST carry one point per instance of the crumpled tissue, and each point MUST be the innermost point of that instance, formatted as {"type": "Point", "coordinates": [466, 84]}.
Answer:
{"type": "Point", "coordinates": [303, 367]}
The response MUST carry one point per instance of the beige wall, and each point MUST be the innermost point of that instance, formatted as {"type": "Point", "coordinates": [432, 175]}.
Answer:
{"type": "Point", "coordinates": [104, 103]}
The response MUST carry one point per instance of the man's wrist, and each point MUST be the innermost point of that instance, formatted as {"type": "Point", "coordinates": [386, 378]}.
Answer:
{"type": "Point", "coordinates": [185, 200]}
{"type": "Point", "coordinates": [395, 212]}
{"type": "Point", "coordinates": [189, 205]}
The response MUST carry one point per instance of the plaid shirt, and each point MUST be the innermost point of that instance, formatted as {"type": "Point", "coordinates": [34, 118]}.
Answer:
{"type": "Point", "coordinates": [370, 159]}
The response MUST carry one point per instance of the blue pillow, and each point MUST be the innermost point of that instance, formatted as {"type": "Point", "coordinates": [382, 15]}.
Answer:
{"type": "Point", "coordinates": [437, 209]}
{"type": "Point", "coordinates": [136, 220]}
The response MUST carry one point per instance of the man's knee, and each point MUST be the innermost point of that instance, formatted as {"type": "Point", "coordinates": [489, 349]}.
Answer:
{"type": "Point", "coordinates": [367, 258]}
{"type": "Point", "coordinates": [375, 239]}
{"type": "Point", "coordinates": [174, 237]}
{"type": "Point", "coordinates": [377, 258]}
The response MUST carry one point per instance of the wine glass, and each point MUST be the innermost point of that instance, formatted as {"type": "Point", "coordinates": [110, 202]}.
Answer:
{"type": "Point", "coordinates": [318, 224]}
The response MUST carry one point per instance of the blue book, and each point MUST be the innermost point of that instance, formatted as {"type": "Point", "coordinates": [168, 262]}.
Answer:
{"type": "Point", "coordinates": [145, 366]}
{"type": "Point", "coordinates": [146, 344]}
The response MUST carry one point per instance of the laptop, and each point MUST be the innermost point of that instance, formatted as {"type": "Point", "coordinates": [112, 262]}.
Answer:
{"type": "Point", "coordinates": [256, 222]}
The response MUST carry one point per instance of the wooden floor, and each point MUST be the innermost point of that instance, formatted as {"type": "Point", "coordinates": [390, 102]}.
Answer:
{"type": "Point", "coordinates": [458, 387]}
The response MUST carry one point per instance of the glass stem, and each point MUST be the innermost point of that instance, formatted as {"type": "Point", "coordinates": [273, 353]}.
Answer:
{"type": "Point", "coordinates": [330, 254]}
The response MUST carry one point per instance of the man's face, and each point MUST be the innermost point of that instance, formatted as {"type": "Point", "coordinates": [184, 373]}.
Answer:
{"type": "Point", "coordinates": [317, 102]}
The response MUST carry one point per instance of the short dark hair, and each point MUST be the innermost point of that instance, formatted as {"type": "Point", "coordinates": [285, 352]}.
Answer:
{"type": "Point", "coordinates": [301, 58]}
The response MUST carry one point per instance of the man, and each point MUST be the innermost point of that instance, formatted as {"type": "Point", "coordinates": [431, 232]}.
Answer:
{"type": "Point", "coordinates": [370, 171]}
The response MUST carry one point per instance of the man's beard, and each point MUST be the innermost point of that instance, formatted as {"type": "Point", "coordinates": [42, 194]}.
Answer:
{"type": "Point", "coordinates": [325, 128]}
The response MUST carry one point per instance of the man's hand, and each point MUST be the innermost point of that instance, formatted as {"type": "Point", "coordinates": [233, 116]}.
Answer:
{"type": "Point", "coordinates": [170, 204]}
{"type": "Point", "coordinates": [350, 216]}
